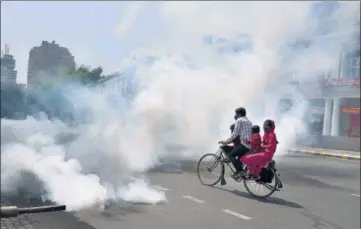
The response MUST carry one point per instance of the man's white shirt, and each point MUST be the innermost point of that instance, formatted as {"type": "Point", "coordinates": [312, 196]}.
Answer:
{"type": "Point", "coordinates": [243, 130]}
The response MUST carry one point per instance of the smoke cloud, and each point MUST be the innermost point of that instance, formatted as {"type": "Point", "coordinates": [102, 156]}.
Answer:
{"type": "Point", "coordinates": [211, 58]}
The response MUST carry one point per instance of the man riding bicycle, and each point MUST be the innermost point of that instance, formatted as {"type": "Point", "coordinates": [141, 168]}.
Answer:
{"type": "Point", "coordinates": [243, 131]}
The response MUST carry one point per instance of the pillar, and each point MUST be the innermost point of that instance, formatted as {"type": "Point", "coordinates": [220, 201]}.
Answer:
{"type": "Point", "coordinates": [335, 123]}
{"type": "Point", "coordinates": [327, 117]}
{"type": "Point", "coordinates": [341, 66]}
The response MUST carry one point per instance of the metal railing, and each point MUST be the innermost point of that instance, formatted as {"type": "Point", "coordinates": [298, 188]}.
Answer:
{"type": "Point", "coordinates": [14, 211]}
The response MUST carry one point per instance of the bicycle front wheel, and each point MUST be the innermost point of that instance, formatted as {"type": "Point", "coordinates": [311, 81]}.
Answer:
{"type": "Point", "coordinates": [210, 169]}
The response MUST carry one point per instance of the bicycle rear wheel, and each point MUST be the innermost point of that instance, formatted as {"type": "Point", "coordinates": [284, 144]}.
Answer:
{"type": "Point", "coordinates": [260, 189]}
{"type": "Point", "coordinates": [210, 165]}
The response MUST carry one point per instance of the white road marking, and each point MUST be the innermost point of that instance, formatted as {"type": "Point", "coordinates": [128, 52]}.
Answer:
{"type": "Point", "coordinates": [193, 199]}
{"type": "Point", "coordinates": [161, 188]}
{"type": "Point", "coordinates": [355, 195]}
{"type": "Point", "coordinates": [236, 214]}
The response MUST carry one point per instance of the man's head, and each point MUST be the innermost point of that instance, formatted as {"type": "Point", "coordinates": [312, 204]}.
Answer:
{"type": "Point", "coordinates": [240, 112]}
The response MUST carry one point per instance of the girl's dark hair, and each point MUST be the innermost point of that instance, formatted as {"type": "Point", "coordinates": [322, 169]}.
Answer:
{"type": "Point", "coordinates": [269, 123]}
{"type": "Point", "coordinates": [255, 129]}
{"type": "Point", "coordinates": [232, 127]}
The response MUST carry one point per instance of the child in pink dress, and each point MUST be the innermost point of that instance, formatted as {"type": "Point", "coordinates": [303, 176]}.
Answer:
{"type": "Point", "coordinates": [255, 162]}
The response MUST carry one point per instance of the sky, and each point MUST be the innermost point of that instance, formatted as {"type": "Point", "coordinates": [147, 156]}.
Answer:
{"type": "Point", "coordinates": [96, 33]}
{"type": "Point", "coordinates": [104, 33]}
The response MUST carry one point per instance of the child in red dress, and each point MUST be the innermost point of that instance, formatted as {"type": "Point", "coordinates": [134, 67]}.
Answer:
{"type": "Point", "coordinates": [256, 140]}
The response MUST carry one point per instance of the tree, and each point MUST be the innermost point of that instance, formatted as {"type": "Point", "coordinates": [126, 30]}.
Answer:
{"type": "Point", "coordinates": [47, 96]}
{"type": "Point", "coordinates": [85, 75]}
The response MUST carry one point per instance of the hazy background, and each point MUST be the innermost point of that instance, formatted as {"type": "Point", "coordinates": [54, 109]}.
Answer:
{"type": "Point", "coordinates": [207, 59]}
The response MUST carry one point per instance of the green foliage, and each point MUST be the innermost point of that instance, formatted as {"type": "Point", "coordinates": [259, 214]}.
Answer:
{"type": "Point", "coordinates": [48, 95]}
{"type": "Point", "coordinates": [85, 75]}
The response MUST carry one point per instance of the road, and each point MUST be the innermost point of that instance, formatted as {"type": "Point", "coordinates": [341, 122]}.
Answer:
{"type": "Point", "coordinates": [318, 193]}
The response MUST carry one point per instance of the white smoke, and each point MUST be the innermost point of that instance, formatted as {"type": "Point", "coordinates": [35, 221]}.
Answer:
{"type": "Point", "coordinates": [185, 100]}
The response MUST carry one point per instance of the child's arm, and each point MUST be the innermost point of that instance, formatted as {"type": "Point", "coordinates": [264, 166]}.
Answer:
{"type": "Point", "coordinates": [272, 142]}
{"type": "Point", "coordinates": [234, 134]}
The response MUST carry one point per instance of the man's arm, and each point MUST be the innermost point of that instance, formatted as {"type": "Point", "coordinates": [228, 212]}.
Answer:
{"type": "Point", "coordinates": [235, 132]}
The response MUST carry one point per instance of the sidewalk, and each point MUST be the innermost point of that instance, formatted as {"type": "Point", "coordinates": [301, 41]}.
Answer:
{"type": "Point", "coordinates": [348, 155]}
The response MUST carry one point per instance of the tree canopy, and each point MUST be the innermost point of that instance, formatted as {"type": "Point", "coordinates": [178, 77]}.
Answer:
{"type": "Point", "coordinates": [86, 75]}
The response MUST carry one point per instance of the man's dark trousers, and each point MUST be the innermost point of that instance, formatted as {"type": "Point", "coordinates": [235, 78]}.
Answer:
{"type": "Point", "coordinates": [238, 151]}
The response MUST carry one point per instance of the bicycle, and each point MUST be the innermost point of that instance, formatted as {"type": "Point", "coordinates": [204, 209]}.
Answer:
{"type": "Point", "coordinates": [268, 174]}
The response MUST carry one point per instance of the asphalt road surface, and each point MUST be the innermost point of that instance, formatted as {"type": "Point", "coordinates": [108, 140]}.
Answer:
{"type": "Point", "coordinates": [318, 193]}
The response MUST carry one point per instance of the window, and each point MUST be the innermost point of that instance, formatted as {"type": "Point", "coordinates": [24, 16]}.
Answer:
{"type": "Point", "coordinates": [351, 65]}
{"type": "Point", "coordinates": [316, 102]}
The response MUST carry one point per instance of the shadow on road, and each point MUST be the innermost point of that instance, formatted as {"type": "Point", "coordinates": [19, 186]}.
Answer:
{"type": "Point", "coordinates": [295, 179]}
{"type": "Point", "coordinates": [319, 222]}
{"type": "Point", "coordinates": [268, 200]}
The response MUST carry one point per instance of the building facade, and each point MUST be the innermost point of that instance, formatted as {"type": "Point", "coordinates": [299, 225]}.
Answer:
{"type": "Point", "coordinates": [338, 104]}
{"type": "Point", "coordinates": [118, 89]}
{"type": "Point", "coordinates": [335, 109]}
{"type": "Point", "coordinates": [12, 94]}
{"type": "Point", "coordinates": [48, 59]}
{"type": "Point", "coordinates": [121, 88]}
{"type": "Point", "coordinates": [8, 72]}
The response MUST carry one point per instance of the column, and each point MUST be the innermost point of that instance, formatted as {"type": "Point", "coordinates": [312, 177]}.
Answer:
{"type": "Point", "coordinates": [327, 117]}
{"type": "Point", "coordinates": [335, 123]}
{"type": "Point", "coordinates": [341, 66]}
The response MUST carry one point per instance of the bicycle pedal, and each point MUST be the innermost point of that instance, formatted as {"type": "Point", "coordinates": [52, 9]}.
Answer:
{"type": "Point", "coordinates": [235, 177]}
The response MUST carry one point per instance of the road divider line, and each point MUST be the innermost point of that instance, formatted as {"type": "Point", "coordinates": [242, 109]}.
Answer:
{"type": "Point", "coordinates": [161, 188]}
{"type": "Point", "coordinates": [355, 195]}
{"type": "Point", "coordinates": [236, 214]}
{"type": "Point", "coordinates": [193, 199]}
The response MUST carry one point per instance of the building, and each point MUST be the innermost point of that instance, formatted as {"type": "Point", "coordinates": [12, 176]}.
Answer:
{"type": "Point", "coordinates": [48, 59]}
{"type": "Point", "coordinates": [118, 89]}
{"type": "Point", "coordinates": [336, 107]}
{"type": "Point", "coordinates": [121, 88]}
{"type": "Point", "coordinates": [12, 94]}
{"type": "Point", "coordinates": [8, 72]}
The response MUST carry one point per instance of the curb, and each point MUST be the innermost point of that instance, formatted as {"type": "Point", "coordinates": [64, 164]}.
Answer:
{"type": "Point", "coordinates": [325, 154]}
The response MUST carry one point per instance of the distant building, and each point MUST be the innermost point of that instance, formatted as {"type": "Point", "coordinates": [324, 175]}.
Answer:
{"type": "Point", "coordinates": [118, 88]}
{"type": "Point", "coordinates": [121, 88]}
{"type": "Point", "coordinates": [12, 94]}
{"type": "Point", "coordinates": [334, 103]}
{"type": "Point", "coordinates": [48, 59]}
{"type": "Point", "coordinates": [8, 72]}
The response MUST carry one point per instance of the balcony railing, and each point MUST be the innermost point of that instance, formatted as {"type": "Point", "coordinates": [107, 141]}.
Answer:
{"type": "Point", "coordinates": [341, 82]}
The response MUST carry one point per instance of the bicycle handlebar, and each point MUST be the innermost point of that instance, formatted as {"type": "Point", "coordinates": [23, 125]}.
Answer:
{"type": "Point", "coordinates": [13, 211]}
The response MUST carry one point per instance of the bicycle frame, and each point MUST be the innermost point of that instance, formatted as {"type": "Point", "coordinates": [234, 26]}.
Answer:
{"type": "Point", "coordinates": [220, 153]}
{"type": "Point", "coordinates": [220, 157]}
